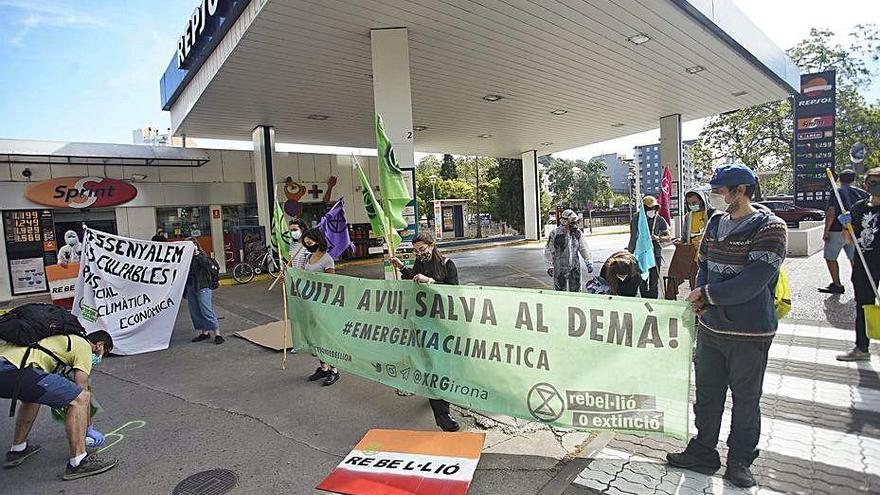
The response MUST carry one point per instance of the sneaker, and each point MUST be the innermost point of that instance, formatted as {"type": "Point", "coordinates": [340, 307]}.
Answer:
{"type": "Point", "coordinates": [14, 459]}
{"type": "Point", "coordinates": [855, 354]}
{"type": "Point", "coordinates": [332, 378]}
{"type": "Point", "coordinates": [447, 423]}
{"type": "Point", "coordinates": [219, 340]}
{"type": "Point", "coordinates": [740, 475]}
{"type": "Point", "coordinates": [691, 462]}
{"type": "Point", "coordinates": [89, 466]}
{"type": "Point", "coordinates": [318, 374]}
{"type": "Point", "coordinates": [832, 289]}
{"type": "Point", "coordinates": [404, 393]}
{"type": "Point", "coordinates": [201, 337]}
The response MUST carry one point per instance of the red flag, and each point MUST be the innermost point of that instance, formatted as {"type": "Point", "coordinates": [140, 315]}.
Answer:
{"type": "Point", "coordinates": [665, 198]}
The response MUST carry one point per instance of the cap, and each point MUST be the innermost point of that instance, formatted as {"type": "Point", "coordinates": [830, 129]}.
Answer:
{"type": "Point", "coordinates": [650, 201]}
{"type": "Point", "coordinates": [733, 174]}
{"type": "Point", "coordinates": [569, 216]}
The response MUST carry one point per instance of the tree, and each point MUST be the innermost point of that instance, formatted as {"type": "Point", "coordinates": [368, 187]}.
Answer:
{"type": "Point", "coordinates": [560, 180]}
{"type": "Point", "coordinates": [447, 168]}
{"type": "Point", "coordinates": [761, 136]}
{"type": "Point", "coordinates": [590, 183]}
{"type": "Point", "coordinates": [509, 207]}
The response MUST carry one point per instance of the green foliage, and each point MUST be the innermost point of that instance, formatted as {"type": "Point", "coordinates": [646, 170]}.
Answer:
{"type": "Point", "coordinates": [575, 183]}
{"type": "Point", "coordinates": [447, 168]}
{"type": "Point", "coordinates": [761, 136]}
{"type": "Point", "coordinates": [508, 205]}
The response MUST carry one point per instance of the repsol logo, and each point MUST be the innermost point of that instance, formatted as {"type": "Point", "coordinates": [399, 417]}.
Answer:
{"type": "Point", "coordinates": [81, 192]}
{"type": "Point", "coordinates": [814, 101]}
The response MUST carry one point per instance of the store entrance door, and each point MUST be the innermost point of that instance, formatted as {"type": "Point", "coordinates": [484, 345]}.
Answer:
{"type": "Point", "coordinates": [103, 220]}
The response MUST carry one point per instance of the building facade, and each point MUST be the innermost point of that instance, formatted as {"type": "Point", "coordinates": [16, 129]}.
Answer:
{"type": "Point", "coordinates": [616, 171]}
{"type": "Point", "coordinates": [649, 161]}
{"type": "Point", "coordinates": [207, 194]}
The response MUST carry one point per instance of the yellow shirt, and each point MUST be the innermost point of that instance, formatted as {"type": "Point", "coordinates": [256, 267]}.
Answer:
{"type": "Point", "coordinates": [79, 356]}
{"type": "Point", "coordinates": [698, 229]}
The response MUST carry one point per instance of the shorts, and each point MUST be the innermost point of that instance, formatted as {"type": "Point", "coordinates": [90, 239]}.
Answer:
{"type": "Point", "coordinates": [37, 386]}
{"type": "Point", "coordinates": [834, 244]}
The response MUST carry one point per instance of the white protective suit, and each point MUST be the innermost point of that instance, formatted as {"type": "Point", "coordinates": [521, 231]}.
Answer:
{"type": "Point", "coordinates": [72, 249]}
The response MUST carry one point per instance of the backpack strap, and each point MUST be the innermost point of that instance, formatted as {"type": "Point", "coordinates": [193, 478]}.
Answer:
{"type": "Point", "coordinates": [16, 390]}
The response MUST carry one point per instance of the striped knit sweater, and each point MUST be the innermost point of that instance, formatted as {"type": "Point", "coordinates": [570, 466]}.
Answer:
{"type": "Point", "coordinates": [738, 275]}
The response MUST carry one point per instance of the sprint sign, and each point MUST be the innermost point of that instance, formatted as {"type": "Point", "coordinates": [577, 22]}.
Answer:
{"type": "Point", "coordinates": [402, 462]}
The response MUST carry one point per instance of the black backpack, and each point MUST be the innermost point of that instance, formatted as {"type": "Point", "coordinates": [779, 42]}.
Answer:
{"type": "Point", "coordinates": [215, 274]}
{"type": "Point", "coordinates": [28, 324]}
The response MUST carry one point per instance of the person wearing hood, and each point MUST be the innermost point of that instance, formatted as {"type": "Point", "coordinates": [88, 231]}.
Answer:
{"type": "Point", "coordinates": [740, 257]}
{"type": "Point", "coordinates": [72, 249]}
{"type": "Point", "coordinates": [684, 262]}
{"type": "Point", "coordinates": [659, 229]}
{"type": "Point", "coordinates": [566, 246]}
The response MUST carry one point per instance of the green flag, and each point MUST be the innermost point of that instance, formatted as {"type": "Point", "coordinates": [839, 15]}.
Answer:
{"type": "Point", "coordinates": [280, 232]}
{"type": "Point", "coordinates": [378, 221]}
{"type": "Point", "coordinates": [395, 195]}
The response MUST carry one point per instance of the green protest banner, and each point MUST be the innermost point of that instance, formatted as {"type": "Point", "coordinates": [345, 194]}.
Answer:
{"type": "Point", "coordinates": [572, 360]}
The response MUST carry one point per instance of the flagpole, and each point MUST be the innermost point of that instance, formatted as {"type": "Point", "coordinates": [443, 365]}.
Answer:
{"type": "Point", "coordinates": [283, 295]}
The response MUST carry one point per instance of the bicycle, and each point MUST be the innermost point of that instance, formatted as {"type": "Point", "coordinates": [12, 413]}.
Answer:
{"type": "Point", "coordinates": [255, 264]}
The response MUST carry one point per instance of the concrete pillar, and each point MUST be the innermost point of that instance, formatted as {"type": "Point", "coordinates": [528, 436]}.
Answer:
{"type": "Point", "coordinates": [392, 96]}
{"type": "Point", "coordinates": [531, 196]}
{"type": "Point", "coordinates": [5, 283]}
{"type": "Point", "coordinates": [264, 148]}
{"type": "Point", "coordinates": [670, 156]}
{"type": "Point", "coordinates": [217, 241]}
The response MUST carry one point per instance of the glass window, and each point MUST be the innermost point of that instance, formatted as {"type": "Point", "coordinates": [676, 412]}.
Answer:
{"type": "Point", "coordinates": [180, 223]}
{"type": "Point", "coordinates": [240, 223]}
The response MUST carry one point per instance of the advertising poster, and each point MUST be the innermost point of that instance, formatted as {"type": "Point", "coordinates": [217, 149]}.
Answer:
{"type": "Point", "coordinates": [28, 275]}
{"type": "Point", "coordinates": [814, 113]}
{"type": "Point", "coordinates": [401, 462]}
{"type": "Point", "coordinates": [30, 241]}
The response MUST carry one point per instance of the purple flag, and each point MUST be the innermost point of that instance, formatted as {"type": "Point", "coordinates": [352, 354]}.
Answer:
{"type": "Point", "coordinates": [335, 228]}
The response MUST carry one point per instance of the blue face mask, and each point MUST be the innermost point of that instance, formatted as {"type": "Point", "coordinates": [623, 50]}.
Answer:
{"type": "Point", "coordinates": [96, 359]}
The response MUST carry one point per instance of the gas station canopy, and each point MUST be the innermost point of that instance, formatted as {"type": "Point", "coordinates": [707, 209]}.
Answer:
{"type": "Point", "coordinates": [488, 77]}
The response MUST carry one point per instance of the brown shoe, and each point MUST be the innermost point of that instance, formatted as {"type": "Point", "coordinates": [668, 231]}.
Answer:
{"type": "Point", "coordinates": [855, 354]}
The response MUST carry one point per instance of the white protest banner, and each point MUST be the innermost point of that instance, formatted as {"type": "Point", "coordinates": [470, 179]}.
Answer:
{"type": "Point", "coordinates": [131, 289]}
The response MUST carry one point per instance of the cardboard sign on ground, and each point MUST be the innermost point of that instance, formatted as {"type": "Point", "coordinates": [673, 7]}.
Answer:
{"type": "Point", "coordinates": [405, 462]}
{"type": "Point", "coordinates": [270, 335]}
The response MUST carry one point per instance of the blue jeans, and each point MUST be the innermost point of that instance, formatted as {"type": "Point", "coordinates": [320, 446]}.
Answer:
{"type": "Point", "coordinates": [201, 310]}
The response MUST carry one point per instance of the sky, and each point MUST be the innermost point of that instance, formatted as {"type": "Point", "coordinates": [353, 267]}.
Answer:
{"type": "Point", "coordinates": [88, 70]}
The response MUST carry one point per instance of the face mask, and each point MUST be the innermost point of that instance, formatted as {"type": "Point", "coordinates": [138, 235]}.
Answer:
{"type": "Point", "coordinates": [651, 214]}
{"type": "Point", "coordinates": [621, 277]}
{"type": "Point", "coordinates": [70, 241]}
{"type": "Point", "coordinates": [96, 359]}
{"type": "Point", "coordinates": [717, 201]}
{"type": "Point", "coordinates": [694, 208]}
{"type": "Point", "coordinates": [312, 248]}
{"type": "Point", "coordinates": [296, 234]}
{"type": "Point", "coordinates": [424, 257]}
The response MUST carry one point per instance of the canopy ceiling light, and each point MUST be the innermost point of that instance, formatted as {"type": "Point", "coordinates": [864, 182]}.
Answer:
{"type": "Point", "coordinates": [696, 69]}
{"type": "Point", "coordinates": [493, 97]}
{"type": "Point", "coordinates": [546, 143]}
{"type": "Point", "coordinates": [420, 128]}
{"type": "Point", "coordinates": [638, 39]}
{"type": "Point", "coordinates": [559, 111]}
{"type": "Point", "coordinates": [316, 116]}
{"type": "Point", "coordinates": [617, 124]}
{"type": "Point", "coordinates": [484, 136]}
{"type": "Point", "coordinates": [740, 93]}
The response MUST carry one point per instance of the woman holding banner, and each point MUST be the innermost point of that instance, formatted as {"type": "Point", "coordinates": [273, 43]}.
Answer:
{"type": "Point", "coordinates": [431, 267]}
{"type": "Point", "coordinates": [198, 297]}
{"type": "Point", "coordinates": [319, 260]}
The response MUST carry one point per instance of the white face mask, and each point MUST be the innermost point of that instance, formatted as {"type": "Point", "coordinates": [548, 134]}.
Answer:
{"type": "Point", "coordinates": [694, 208]}
{"type": "Point", "coordinates": [296, 234]}
{"type": "Point", "coordinates": [651, 214]}
{"type": "Point", "coordinates": [621, 277]}
{"type": "Point", "coordinates": [717, 201]}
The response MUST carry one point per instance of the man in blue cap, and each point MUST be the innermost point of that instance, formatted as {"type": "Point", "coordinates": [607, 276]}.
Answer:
{"type": "Point", "coordinates": [739, 261]}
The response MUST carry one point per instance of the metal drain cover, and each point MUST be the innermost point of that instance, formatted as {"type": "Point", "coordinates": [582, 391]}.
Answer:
{"type": "Point", "coordinates": [213, 482]}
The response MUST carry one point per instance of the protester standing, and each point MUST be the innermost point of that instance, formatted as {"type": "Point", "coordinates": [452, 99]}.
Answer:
{"type": "Point", "coordinates": [834, 236]}
{"type": "Point", "coordinates": [740, 257]}
{"type": "Point", "coordinates": [431, 267]}
{"type": "Point", "coordinates": [659, 229]}
{"type": "Point", "coordinates": [297, 252]}
{"type": "Point", "coordinates": [566, 246]}
{"type": "Point", "coordinates": [319, 261]}
{"type": "Point", "coordinates": [865, 219]}
{"type": "Point", "coordinates": [72, 249]}
{"type": "Point", "coordinates": [684, 262]}
{"type": "Point", "coordinates": [198, 293]}
{"type": "Point", "coordinates": [160, 236]}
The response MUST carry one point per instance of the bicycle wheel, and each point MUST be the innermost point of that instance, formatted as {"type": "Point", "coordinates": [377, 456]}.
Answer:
{"type": "Point", "coordinates": [243, 273]}
{"type": "Point", "coordinates": [273, 266]}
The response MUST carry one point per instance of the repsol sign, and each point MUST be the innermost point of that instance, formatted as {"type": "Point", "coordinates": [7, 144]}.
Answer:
{"type": "Point", "coordinates": [814, 101]}
{"type": "Point", "coordinates": [199, 27]}
{"type": "Point", "coordinates": [81, 192]}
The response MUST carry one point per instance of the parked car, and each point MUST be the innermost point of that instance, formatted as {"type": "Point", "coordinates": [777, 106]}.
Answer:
{"type": "Point", "coordinates": [793, 214]}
